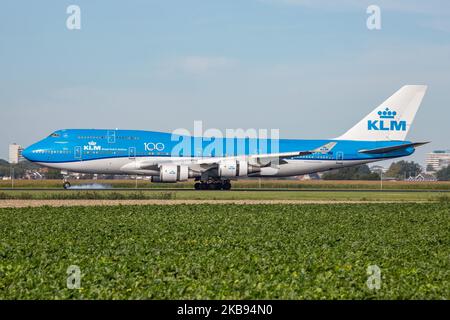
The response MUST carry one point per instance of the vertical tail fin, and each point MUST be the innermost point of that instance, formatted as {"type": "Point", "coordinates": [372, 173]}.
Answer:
{"type": "Point", "coordinates": [392, 119]}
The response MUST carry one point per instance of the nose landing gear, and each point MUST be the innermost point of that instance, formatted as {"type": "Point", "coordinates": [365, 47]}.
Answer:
{"type": "Point", "coordinates": [66, 183]}
{"type": "Point", "coordinates": [213, 185]}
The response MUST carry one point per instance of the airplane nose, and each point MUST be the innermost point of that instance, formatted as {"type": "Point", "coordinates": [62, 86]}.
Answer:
{"type": "Point", "coordinates": [30, 153]}
{"type": "Point", "coordinates": [27, 153]}
{"type": "Point", "coordinates": [33, 152]}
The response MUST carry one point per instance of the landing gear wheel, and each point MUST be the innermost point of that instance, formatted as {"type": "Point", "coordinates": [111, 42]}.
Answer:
{"type": "Point", "coordinates": [226, 186]}
{"type": "Point", "coordinates": [214, 186]}
{"type": "Point", "coordinates": [201, 186]}
{"type": "Point", "coordinates": [66, 185]}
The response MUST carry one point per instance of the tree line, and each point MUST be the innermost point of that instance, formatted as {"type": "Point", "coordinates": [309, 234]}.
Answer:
{"type": "Point", "coordinates": [399, 170]}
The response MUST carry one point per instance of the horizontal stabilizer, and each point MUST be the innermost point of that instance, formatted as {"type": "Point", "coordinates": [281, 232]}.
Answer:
{"type": "Point", "coordinates": [392, 148]}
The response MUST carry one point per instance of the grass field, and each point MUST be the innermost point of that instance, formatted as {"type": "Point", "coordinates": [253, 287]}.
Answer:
{"type": "Point", "coordinates": [227, 251]}
{"type": "Point", "coordinates": [228, 195]}
{"type": "Point", "coordinates": [264, 183]}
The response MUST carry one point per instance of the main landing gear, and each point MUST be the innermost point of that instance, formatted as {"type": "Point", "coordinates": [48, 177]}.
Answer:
{"type": "Point", "coordinates": [213, 185]}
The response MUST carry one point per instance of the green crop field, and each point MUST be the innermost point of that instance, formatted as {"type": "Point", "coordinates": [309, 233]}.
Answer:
{"type": "Point", "coordinates": [227, 251]}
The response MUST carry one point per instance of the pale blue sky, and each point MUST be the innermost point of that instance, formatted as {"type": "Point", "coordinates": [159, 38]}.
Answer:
{"type": "Point", "coordinates": [310, 68]}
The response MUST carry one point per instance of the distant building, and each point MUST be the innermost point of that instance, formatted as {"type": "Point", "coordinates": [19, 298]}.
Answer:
{"type": "Point", "coordinates": [32, 175]}
{"type": "Point", "coordinates": [43, 170]}
{"type": "Point", "coordinates": [311, 176]}
{"type": "Point", "coordinates": [423, 177]}
{"type": "Point", "coordinates": [438, 159]}
{"type": "Point", "coordinates": [378, 169]}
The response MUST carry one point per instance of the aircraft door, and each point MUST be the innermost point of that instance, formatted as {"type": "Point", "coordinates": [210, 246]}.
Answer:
{"type": "Point", "coordinates": [132, 153]}
{"type": "Point", "coordinates": [77, 153]}
{"type": "Point", "coordinates": [340, 157]}
{"type": "Point", "coordinates": [111, 136]}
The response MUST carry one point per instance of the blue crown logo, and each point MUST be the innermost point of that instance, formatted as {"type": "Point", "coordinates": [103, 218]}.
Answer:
{"type": "Point", "coordinates": [387, 114]}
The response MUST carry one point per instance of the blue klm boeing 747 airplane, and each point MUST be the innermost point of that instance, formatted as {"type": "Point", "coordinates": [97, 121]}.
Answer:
{"type": "Point", "coordinates": [214, 162]}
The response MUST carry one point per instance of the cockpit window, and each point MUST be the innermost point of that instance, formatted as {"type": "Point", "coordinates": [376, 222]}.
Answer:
{"type": "Point", "coordinates": [55, 135]}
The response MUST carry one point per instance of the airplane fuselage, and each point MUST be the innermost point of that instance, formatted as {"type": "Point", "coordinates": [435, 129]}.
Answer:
{"type": "Point", "coordinates": [117, 152]}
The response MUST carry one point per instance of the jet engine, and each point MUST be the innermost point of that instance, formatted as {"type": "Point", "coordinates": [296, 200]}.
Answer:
{"type": "Point", "coordinates": [235, 168]}
{"type": "Point", "coordinates": [172, 173]}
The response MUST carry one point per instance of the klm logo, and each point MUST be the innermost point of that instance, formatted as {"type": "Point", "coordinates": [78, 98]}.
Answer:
{"type": "Point", "coordinates": [92, 146]}
{"type": "Point", "coordinates": [386, 122]}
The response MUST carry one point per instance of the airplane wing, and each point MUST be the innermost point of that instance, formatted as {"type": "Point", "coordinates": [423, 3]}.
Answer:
{"type": "Point", "coordinates": [392, 148]}
{"type": "Point", "coordinates": [257, 160]}
{"type": "Point", "coordinates": [263, 160]}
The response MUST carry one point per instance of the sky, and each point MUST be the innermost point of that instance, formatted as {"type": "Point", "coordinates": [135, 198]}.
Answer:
{"type": "Point", "coordinates": [309, 68]}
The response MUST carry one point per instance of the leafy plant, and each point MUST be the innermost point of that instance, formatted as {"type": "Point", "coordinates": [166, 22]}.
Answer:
{"type": "Point", "coordinates": [226, 251]}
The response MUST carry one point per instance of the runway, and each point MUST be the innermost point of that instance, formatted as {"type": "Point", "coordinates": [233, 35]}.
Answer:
{"type": "Point", "coordinates": [35, 197]}
{"type": "Point", "coordinates": [232, 190]}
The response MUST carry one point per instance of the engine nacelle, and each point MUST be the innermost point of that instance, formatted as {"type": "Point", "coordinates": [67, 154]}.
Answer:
{"type": "Point", "coordinates": [233, 168]}
{"type": "Point", "coordinates": [172, 173]}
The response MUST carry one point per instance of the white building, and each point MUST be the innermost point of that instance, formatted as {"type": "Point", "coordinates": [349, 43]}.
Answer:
{"type": "Point", "coordinates": [378, 169]}
{"type": "Point", "coordinates": [426, 177]}
{"type": "Point", "coordinates": [438, 159]}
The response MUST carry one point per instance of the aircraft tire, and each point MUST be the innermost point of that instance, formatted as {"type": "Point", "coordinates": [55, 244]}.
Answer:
{"type": "Point", "coordinates": [226, 186]}
{"type": "Point", "coordinates": [213, 186]}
